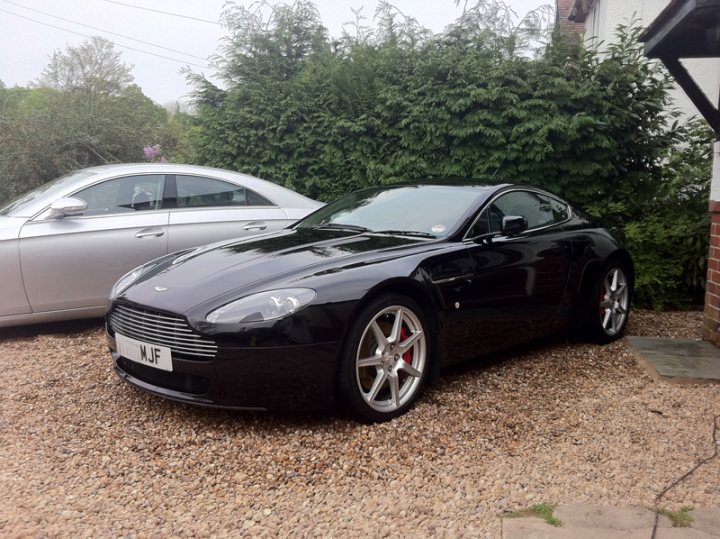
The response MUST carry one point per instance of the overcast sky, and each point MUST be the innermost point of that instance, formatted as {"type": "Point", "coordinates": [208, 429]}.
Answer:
{"type": "Point", "coordinates": [30, 30]}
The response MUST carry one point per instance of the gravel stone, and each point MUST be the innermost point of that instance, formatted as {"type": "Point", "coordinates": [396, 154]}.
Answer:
{"type": "Point", "coordinates": [82, 454]}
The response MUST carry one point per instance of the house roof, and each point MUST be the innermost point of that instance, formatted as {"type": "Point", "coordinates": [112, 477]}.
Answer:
{"type": "Point", "coordinates": [684, 29]}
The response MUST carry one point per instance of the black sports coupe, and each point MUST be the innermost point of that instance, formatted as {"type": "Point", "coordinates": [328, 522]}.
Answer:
{"type": "Point", "coordinates": [366, 298]}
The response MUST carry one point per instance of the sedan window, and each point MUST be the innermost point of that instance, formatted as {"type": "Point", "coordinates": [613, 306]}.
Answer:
{"type": "Point", "coordinates": [22, 206]}
{"type": "Point", "coordinates": [122, 195]}
{"type": "Point", "coordinates": [200, 192]}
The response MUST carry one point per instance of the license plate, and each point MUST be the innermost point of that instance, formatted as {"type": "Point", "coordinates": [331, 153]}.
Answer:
{"type": "Point", "coordinates": [148, 354]}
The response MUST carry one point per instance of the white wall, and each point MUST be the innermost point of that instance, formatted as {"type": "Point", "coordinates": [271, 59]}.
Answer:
{"type": "Point", "coordinates": [604, 18]}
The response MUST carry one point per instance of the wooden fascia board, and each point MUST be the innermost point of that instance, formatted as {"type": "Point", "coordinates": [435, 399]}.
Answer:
{"type": "Point", "coordinates": [693, 91]}
{"type": "Point", "coordinates": [654, 36]}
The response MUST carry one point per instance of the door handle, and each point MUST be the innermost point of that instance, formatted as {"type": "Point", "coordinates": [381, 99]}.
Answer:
{"type": "Point", "coordinates": [150, 233]}
{"type": "Point", "coordinates": [255, 226]}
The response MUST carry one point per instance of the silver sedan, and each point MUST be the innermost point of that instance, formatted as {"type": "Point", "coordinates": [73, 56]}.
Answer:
{"type": "Point", "coordinates": [63, 245]}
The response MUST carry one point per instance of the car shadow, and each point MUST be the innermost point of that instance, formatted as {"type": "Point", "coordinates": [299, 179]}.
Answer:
{"type": "Point", "coordinates": [516, 353]}
{"type": "Point", "coordinates": [51, 328]}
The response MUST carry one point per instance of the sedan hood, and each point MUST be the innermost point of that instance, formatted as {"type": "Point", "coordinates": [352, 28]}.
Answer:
{"type": "Point", "coordinates": [249, 266]}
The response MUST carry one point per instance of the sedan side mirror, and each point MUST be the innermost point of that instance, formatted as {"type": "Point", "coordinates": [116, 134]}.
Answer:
{"type": "Point", "coordinates": [514, 224]}
{"type": "Point", "coordinates": [67, 207]}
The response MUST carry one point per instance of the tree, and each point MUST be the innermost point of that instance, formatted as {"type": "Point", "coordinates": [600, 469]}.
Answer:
{"type": "Point", "coordinates": [83, 112]}
{"type": "Point", "coordinates": [94, 67]}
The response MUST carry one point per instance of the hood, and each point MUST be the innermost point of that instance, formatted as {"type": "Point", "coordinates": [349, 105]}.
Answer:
{"type": "Point", "coordinates": [10, 227]}
{"type": "Point", "coordinates": [272, 261]}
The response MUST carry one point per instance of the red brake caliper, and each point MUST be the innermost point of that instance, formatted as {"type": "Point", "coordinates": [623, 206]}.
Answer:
{"type": "Point", "coordinates": [407, 356]}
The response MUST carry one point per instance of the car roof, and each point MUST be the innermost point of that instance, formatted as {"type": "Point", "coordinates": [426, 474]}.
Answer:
{"type": "Point", "coordinates": [279, 195]}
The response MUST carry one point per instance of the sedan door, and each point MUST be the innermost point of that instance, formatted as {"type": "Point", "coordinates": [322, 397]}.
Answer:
{"type": "Point", "coordinates": [206, 210]}
{"type": "Point", "coordinates": [72, 262]}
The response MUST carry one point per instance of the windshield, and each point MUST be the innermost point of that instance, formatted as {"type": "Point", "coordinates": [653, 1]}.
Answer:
{"type": "Point", "coordinates": [17, 206]}
{"type": "Point", "coordinates": [424, 210]}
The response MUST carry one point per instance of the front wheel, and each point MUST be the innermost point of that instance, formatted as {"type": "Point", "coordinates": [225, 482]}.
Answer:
{"type": "Point", "coordinates": [385, 360]}
{"type": "Point", "coordinates": [611, 306]}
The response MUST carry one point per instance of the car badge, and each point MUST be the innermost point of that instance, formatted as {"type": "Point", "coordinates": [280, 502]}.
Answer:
{"type": "Point", "coordinates": [160, 289]}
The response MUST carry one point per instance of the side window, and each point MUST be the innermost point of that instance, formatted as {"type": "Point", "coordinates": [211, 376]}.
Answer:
{"type": "Point", "coordinates": [533, 206]}
{"type": "Point", "coordinates": [561, 211]}
{"type": "Point", "coordinates": [538, 209]}
{"type": "Point", "coordinates": [200, 192]}
{"type": "Point", "coordinates": [490, 221]}
{"type": "Point", "coordinates": [123, 195]}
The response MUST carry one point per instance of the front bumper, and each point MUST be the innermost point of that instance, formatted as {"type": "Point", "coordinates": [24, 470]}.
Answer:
{"type": "Point", "coordinates": [278, 378]}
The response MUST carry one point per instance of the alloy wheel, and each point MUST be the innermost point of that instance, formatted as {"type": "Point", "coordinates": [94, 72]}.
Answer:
{"type": "Point", "coordinates": [391, 359]}
{"type": "Point", "coordinates": [614, 301]}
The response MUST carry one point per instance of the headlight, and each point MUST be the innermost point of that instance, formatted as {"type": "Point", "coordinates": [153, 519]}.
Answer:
{"type": "Point", "coordinates": [129, 278]}
{"type": "Point", "coordinates": [269, 305]}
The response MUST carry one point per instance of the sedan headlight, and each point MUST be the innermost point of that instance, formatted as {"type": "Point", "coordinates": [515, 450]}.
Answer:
{"type": "Point", "coordinates": [269, 305]}
{"type": "Point", "coordinates": [129, 278]}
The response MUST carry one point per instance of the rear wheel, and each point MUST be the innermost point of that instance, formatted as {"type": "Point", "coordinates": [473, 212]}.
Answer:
{"type": "Point", "coordinates": [611, 306]}
{"type": "Point", "coordinates": [385, 360]}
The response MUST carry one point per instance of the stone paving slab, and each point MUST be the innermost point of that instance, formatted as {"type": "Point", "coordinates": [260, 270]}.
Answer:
{"type": "Point", "coordinates": [582, 521]}
{"type": "Point", "coordinates": [707, 520]}
{"type": "Point", "coordinates": [683, 361]}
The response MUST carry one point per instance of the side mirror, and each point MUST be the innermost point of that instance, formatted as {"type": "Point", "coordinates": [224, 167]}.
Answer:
{"type": "Point", "coordinates": [67, 207]}
{"type": "Point", "coordinates": [514, 224]}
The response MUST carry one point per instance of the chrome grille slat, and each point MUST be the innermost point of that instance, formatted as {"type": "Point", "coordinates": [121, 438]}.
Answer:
{"type": "Point", "coordinates": [184, 337]}
{"type": "Point", "coordinates": [161, 329]}
{"type": "Point", "coordinates": [141, 319]}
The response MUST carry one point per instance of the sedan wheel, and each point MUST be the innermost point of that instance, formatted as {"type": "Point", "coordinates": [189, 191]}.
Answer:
{"type": "Point", "coordinates": [386, 360]}
{"type": "Point", "coordinates": [613, 303]}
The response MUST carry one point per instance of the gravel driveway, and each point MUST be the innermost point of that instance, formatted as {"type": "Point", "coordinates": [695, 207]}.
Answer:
{"type": "Point", "coordinates": [83, 454]}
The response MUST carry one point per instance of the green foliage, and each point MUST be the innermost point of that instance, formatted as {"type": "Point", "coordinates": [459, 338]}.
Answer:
{"type": "Point", "coordinates": [93, 67]}
{"type": "Point", "coordinates": [669, 239]}
{"type": "Point", "coordinates": [482, 100]}
{"type": "Point", "coordinates": [682, 518]}
{"type": "Point", "coordinates": [83, 112]}
{"type": "Point", "coordinates": [542, 510]}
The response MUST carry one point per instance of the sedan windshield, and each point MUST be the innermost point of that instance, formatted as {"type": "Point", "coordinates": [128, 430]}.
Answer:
{"type": "Point", "coordinates": [428, 211]}
{"type": "Point", "coordinates": [17, 206]}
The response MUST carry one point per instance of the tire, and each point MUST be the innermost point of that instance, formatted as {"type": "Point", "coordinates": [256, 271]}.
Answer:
{"type": "Point", "coordinates": [610, 306]}
{"type": "Point", "coordinates": [385, 360]}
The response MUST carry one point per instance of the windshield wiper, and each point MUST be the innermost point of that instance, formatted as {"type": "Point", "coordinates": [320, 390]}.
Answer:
{"type": "Point", "coordinates": [414, 233]}
{"type": "Point", "coordinates": [341, 226]}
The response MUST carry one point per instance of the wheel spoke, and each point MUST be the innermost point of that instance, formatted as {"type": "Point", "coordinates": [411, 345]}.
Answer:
{"type": "Point", "coordinates": [373, 361]}
{"type": "Point", "coordinates": [616, 320]}
{"type": "Point", "coordinates": [607, 304]}
{"type": "Point", "coordinates": [410, 341]}
{"type": "Point", "coordinates": [397, 327]}
{"type": "Point", "coordinates": [608, 285]}
{"type": "Point", "coordinates": [379, 335]}
{"type": "Point", "coordinates": [620, 290]}
{"type": "Point", "coordinates": [394, 389]}
{"type": "Point", "coordinates": [378, 383]}
{"type": "Point", "coordinates": [614, 284]}
{"type": "Point", "coordinates": [403, 365]}
{"type": "Point", "coordinates": [606, 320]}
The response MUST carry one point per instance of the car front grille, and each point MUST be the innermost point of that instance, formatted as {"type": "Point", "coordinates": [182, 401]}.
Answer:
{"type": "Point", "coordinates": [161, 329]}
